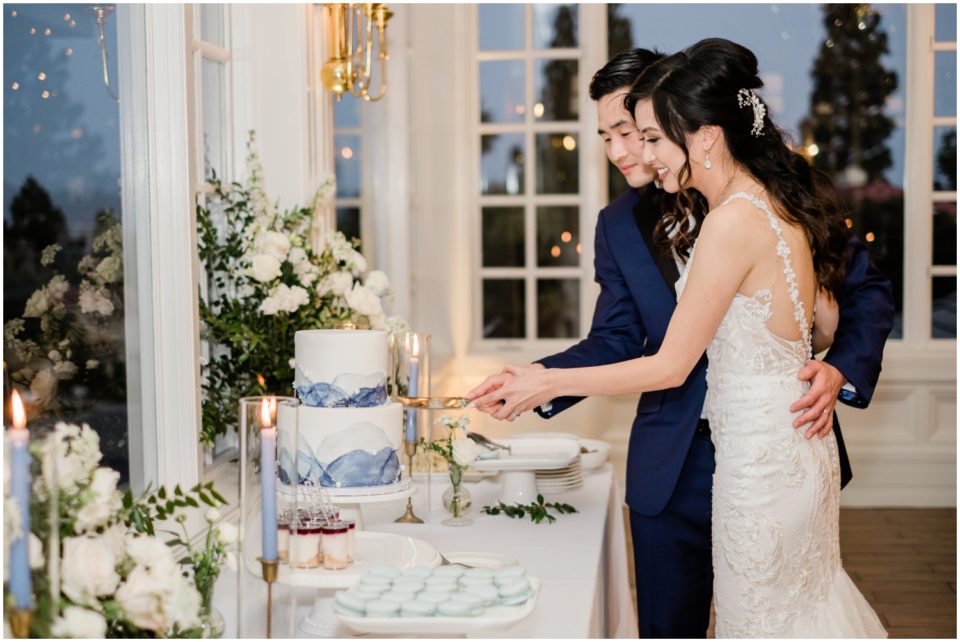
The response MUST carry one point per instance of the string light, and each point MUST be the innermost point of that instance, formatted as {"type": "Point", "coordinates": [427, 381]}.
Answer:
{"type": "Point", "coordinates": [347, 153]}
{"type": "Point", "coordinates": [849, 223]}
{"type": "Point", "coordinates": [520, 110]}
{"type": "Point", "coordinates": [569, 143]}
{"type": "Point", "coordinates": [47, 31]}
{"type": "Point", "coordinates": [870, 237]}
{"type": "Point", "coordinates": [73, 23]}
{"type": "Point", "coordinates": [69, 51]}
{"type": "Point", "coordinates": [566, 236]}
{"type": "Point", "coordinates": [13, 14]}
{"type": "Point", "coordinates": [42, 76]}
{"type": "Point", "coordinates": [579, 248]}
{"type": "Point", "coordinates": [66, 17]}
{"type": "Point", "coordinates": [45, 94]}
{"type": "Point", "coordinates": [15, 86]}
{"type": "Point", "coordinates": [33, 31]}
{"type": "Point", "coordinates": [538, 110]}
{"type": "Point", "coordinates": [76, 133]}
{"type": "Point", "coordinates": [555, 251]}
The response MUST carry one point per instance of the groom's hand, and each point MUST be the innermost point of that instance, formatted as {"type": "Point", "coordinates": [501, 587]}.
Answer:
{"type": "Point", "coordinates": [820, 400]}
{"type": "Point", "coordinates": [488, 385]}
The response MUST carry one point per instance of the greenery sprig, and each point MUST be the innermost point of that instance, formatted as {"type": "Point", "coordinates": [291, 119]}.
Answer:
{"type": "Point", "coordinates": [536, 510]}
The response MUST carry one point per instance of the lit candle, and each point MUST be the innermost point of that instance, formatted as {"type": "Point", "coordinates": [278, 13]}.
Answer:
{"type": "Point", "coordinates": [268, 478]}
{"type": "Point", "coordinates": [20, 581]}
{"type": "Point", "coordinates": [413, 386]}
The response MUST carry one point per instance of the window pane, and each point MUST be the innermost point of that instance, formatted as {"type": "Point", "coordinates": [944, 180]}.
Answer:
{"type": "Point", "coordinates": [945, 159]}
{"type": "Point", "coordinates": [808, 53]}
{"type": "Point", "coordinates": [943, 313]}
{"type": "Point", "coordinates": [346, 112]}
{"type": "Point", "coordinates": [501, 168]}
{"type": "Point", "coordinates": [61, 173]}
{"type": "Point", "coordinates": [557, 164]}
{"type": "Point", "coordinates": [501, 26]}
{"type": "Point", "coordinates": [554, 25]}
{"type": "Point", "coordinates": [555, 90]}
{"type": "Point", "coordinates": [502, 91]}
{"type": "Point", "coordinates": [558, 308]}
{"type": "Point", "coordinates": [946, 21]}
{"type": "Point", "coordinates": [347, 165]}
{"type": "Point", "coordinates": [503, 237]}
{"type": "Point", "coordinates": [348, 222]}
{"type": "Point", "coordinates": [945, 233]}
{"type": "Point", "coordinates": [214, 118]}
{"type": "Point", "coordinates": [211, 24]}
{"type": "Point", "coordinates": [504, 313]}
{"type": "Point", "coordinates": [945, 84]}
{"type": "Point", "coordinates": [558, 236]}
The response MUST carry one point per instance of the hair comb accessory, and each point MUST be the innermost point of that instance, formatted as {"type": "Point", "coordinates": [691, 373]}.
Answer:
{"type": "Point", "coordinates": [748, 97]}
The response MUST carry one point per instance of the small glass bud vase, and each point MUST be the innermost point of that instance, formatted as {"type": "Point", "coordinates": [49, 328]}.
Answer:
{"type": "Point", "coordinates": [456, 499]}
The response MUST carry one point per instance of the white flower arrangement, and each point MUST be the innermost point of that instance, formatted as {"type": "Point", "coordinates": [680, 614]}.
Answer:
{"type": "Point", "coordinates": [265, 282]}
{"type": "Point", "coordinates": [118, 578]}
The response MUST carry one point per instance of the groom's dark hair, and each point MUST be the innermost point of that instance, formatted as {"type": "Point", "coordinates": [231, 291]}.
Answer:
{"type": "Point", "coordinates": [621, 71]}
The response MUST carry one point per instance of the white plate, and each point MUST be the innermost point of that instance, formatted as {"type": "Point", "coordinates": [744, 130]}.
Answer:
{"type": "Point", "coordinates": [494, 617]}
{"type": "Point", "coordinates": [545, 435]}
{"type": "Point", "coordinates": [533, 454]}
{"type": "Point", "coordinates": [372, 548]}
{"type": "Point", "coordinates": [492, 561]}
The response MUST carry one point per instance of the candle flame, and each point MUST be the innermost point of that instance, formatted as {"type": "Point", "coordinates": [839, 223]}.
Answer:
{"type": "Point", "coordinates": [268, 410]}
{"type": "Point", "coordinates": [17, 410]}
{"type": "Point", "coordinates": [261, 381]}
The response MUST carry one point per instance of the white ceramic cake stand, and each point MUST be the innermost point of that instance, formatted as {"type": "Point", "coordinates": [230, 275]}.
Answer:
{"type": "Point", "coordinates": [372, 548]}
{"type": "Point", "coordinates": [349, 500]}
{"type": "Point", "coordinates": [527, 455]}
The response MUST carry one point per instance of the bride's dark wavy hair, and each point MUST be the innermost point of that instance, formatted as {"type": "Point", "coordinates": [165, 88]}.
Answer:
{"type": "Point", "coordinates": [698, 86]}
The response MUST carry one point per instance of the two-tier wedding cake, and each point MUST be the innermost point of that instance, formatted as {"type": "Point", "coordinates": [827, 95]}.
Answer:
{"type": "Point", "coordinates": [349, 434]}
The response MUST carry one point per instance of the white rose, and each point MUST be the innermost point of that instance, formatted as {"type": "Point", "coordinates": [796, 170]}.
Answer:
{"type": "Point", "coordinates": [378, 282]}
{"type": "Point", "coordinates": [397, 325]}
{"type": "Point", "coordinates": [64, 370]}
{"type": "Point", "coordinates": [44, 387]}
{"type": "Point", "coordinates": [264, 268]}
{"type": "Point", "coordinates": [109, 270]}
{"type": "Point", "coordinates": [270, 305]}
{"type": "Point", "coordinates": [35, 550]}
{"type": "Point", "coordinates": [57, 287]}
{"type": "Point", "coordinates": [94, 299]}
{"type": "Point", "coordinates": [88, 570]}
{"type": "Point", "coordinates": [363, 300]}
{"type": "Point", "coordinates": [297, 256]}
{"type": "Point", "coordinates": [227, 533]}
{"type": "Point", "coordinates": [465, 451]}
{"type": "Point", "coordinates": [356, 262]}
{"type": "Point", "coordinates": [37, 304]}
{"type": "Point", "coordinates": [275, 244]}
{"type": "Point", "coordinates": [307, 273]}
{"type": "Point", "coordinates": [183, 605]}
{"type": "Point", "coordinates": [213, 515]}
{"type": "Point", "coordinates": [105, 501]}
{"type": "Point", "coordinates": [152, 554]}
{"type": "Point", "coordinates": [339, 283]}
{"type": "Point", "coordinates": [292, 298]}
{"type": "Point", "coordinates": [77, 622]}
{"type": "Point", "coordinates": [378, 321]}
{"type": "Point", "coordinates": [141, 600]}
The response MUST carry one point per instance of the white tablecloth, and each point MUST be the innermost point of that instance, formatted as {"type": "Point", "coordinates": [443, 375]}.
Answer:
{"type": "Point", "coordinates": [581, 558]}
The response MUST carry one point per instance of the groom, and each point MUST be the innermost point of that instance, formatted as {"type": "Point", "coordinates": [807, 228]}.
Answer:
{"type": "Point", "coordinates": [670, 462]}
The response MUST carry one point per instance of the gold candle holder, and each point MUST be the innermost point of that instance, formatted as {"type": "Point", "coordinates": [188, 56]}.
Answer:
{"type": "Point", "coordinates": [270, 568]}
{"type": "Point", "coordinates": [20, 623]}
{"type": "Point", "coordinates": [409, 447]}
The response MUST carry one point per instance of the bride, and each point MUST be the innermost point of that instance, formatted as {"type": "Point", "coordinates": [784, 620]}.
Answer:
{"type": "Point", "coordinates": [769, 253]}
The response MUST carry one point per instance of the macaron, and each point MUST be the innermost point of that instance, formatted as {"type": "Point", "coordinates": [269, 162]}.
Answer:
{"type": "Point", "coordinates": [350, 601]}
{"type": "Point", "coordinates": [448, 571]}
{"type": "Point", "coordinates": [342, 610]}
{"type": "Point", "coordinates": [488, 592]}
{"type": "Point", "coordinates": [399, 597]}
{"type": "Point", "coordinates": [468, 580]}
{"type": "Point", "coordinates": [485, 573]}
{"type": "Point", "coordinates": [440, 584]}
{"type": "Point", "coordinates": [364, 594]}
{"type": "Point", "coordinates": [434, 597]}
{"type": "Point", "coordinates": [514, 587]}
{"type": "Point", "coordinates": [507, 573]}
{"type": "Point", "coordinates": [417, 571]}
{"type": "Point", "coordinates": [453, 609]}
{"type": "Point", "coordinates": [417, 608]}
{"type": "Point", "coordinates": [517, 599]}
{"type": "Point", "coordinates": [383, 569]}
{"type": "Point", "coordinates": [408, 584]}
{"type": "Point", "coordinates": [475, 602]}
{"type": "Point", "coordinates": [375, 582]}
{"type": "Point", "coordinates": [380, 608]}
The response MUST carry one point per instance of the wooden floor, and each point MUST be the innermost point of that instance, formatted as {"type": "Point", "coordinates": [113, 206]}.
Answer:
{"type": "Point", "coordinates": [904, 560]}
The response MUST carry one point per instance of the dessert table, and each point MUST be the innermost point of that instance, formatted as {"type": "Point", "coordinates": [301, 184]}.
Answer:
{"type": "Point", "coordinates": [580, 559]}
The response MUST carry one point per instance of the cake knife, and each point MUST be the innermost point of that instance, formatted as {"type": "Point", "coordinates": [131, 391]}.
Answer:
{"type": "Point", "coordinates": [436, 403]}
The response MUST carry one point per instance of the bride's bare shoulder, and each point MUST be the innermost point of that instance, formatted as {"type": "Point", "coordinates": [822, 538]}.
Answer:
{"type": "Point", "coordinates": [737, 221]}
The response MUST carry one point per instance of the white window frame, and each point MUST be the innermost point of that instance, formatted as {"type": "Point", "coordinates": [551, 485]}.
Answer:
{"type": "Point", "coordinates": [159, 247]}
{"type": "Point", "coordinates": [591, 20]}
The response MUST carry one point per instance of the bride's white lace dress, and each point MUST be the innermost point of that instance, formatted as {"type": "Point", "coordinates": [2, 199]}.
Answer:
{"type": "Point", "coordinates": [776, 494]}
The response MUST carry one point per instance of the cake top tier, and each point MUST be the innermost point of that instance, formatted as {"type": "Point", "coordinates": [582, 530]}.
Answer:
{"type": "Point", "coordinates": [341, 368]}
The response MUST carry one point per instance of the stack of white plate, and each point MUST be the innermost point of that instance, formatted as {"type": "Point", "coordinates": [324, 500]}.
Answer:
{"type": "Point", "coordinates": [557, 481]}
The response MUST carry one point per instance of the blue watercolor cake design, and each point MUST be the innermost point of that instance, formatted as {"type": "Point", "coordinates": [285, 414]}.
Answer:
{"type": "Point", "coordinates": [345, 391]}
{"type": "Point", "coordinates": [336, 462]}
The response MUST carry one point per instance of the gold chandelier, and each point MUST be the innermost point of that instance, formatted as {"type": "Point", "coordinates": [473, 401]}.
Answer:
{"type": "Point", "coordinates": [349, 67]}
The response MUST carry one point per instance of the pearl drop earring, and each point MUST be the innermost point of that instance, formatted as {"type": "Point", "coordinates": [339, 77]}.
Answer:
{"type": "Point", "coordinates": [706, 163]}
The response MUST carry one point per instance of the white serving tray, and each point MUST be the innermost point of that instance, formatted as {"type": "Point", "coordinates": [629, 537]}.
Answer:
{"type": "Point", "coordinates": [532, 454]}
{"type": "Point", "coordinates": [493, 617]}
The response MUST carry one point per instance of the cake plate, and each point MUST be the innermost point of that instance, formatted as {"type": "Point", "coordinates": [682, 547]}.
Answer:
{"type": "Point", "coordinates": [372, 548]}
{"type": "Point", "coordinates": [350, 500]}
{"type": "Point", "coordinates": [527, 455]}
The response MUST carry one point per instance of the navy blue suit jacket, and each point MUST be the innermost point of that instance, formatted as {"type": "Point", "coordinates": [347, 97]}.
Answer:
{"type": "Point", "coordinates": [631, 318]}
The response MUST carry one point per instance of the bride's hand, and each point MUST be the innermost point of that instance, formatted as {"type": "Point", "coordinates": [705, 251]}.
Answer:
{"type": "Point", "coordinates": [529, 388]}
